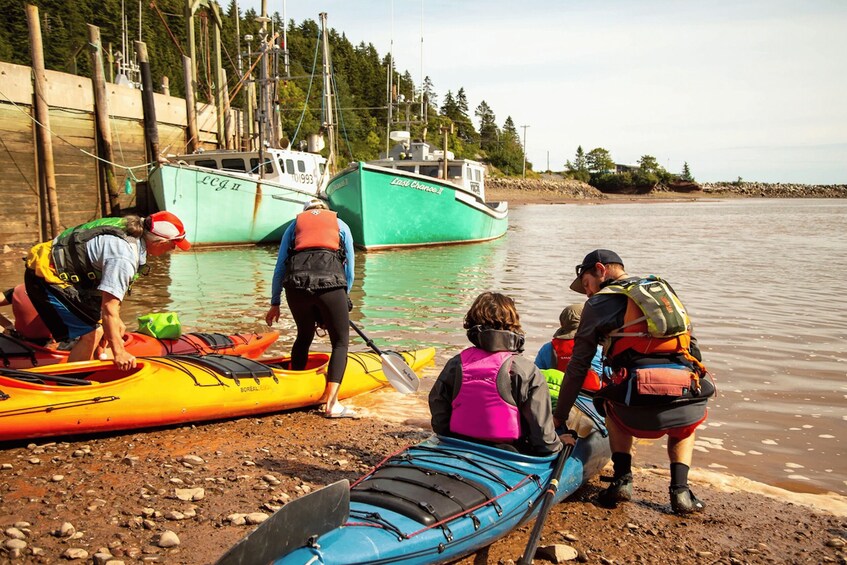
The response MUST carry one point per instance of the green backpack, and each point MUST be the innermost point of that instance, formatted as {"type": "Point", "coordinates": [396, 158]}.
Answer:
{"type": "Point", "coordinates": [554, 379]}
{"type": "Point", "coordinates": [161, 325]}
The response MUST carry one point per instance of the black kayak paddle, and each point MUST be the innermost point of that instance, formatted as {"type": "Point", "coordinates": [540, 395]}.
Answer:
{"type": "Point", "coordinates": [548, 496]}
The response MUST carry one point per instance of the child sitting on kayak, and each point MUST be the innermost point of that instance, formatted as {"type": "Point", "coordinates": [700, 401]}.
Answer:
{"type": "Point", "coordinates": [554, 356]}
{"type": "Point", "coordinates": [488, 392]}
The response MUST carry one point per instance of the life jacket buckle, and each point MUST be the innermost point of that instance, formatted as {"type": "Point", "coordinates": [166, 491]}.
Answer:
{"type": "Point", "coordinates": [92, 276]}
{"type": "Point", "coordinates": [74, 279]}
{"type": "Point", "coordinates": [63, 276]}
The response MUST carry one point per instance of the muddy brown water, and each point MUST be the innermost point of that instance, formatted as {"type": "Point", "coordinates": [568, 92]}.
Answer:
{"type": "Point", "coordinates": [759, 277]}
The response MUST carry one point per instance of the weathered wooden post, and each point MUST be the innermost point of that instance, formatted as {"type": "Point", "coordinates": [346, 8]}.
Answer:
{"type": "Point", "coordinates": [192, 135]}
{"type": "Point", "coordinates": [42, 114]}
{"type": "Point", "coordinates": [104, 130]}
{"type": "Point", "coordinates": [166, 86]}
{"type": "Point", "coordinates": [148, 107]}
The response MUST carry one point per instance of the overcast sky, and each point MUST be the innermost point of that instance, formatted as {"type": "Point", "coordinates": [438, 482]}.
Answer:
{"type": "Point", "coordinates": [754, 89]}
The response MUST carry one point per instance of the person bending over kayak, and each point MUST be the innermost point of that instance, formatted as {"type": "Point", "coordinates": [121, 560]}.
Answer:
{"type": "Point", "coordinates": [488, 392]}
{"type": "Point", "coordinates": [659, 385]}
{"type": "Point", "coordinates": [81, 277]}
{"type": "Point", "coordinates": [315, 267]}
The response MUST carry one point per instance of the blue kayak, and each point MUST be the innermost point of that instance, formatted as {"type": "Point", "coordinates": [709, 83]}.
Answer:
{"type": "Point", "coordinates": [433, 502]}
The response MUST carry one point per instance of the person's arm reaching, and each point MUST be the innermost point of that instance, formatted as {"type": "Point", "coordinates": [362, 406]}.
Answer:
{"type": "Point", "coordinates": [113, 330]}
{"type": "Point", "coordinates": [279, 273]}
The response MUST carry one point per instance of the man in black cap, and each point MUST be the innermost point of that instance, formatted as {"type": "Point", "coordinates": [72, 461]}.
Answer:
{"type": "Point", "coordinates": [658, 384]}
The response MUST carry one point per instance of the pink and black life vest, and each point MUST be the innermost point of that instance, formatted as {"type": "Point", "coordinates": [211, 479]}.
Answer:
{"type": "Point", "coordinates": [479, 410]}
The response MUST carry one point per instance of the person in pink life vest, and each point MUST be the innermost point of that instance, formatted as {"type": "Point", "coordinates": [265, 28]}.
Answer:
{"type": "Point", "coordinates": [489, 393]}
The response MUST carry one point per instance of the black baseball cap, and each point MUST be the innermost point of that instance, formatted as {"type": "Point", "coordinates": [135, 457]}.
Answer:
{"type": "Point", "coordinates": [603, 256]}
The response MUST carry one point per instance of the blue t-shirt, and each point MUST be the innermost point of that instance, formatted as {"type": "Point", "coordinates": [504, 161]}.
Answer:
{"type": "Point", "coordinates": [117, 259]}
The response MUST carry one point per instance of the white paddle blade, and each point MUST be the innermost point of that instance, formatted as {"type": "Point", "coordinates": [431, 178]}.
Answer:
{"type": "Point", "coordinates": [399, 374]}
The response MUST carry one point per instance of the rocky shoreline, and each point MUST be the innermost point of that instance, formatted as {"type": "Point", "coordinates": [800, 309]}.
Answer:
{"type": "Point", "coordinates": [186, 494]}
{"type": "Point", "coordinates": [555, 189]}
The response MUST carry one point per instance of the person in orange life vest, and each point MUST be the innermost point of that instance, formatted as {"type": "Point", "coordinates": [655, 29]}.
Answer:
{"type": "Point", "coordinates": [489, 392]}
{"type": "Point", "coordinates": [78, 280]}
{"type": "Point", "coordinates": [315, 267]}
{"type": "Point", "coordinates": [611, 316]}
{"type": "Point", "coordinates": [556, 354]}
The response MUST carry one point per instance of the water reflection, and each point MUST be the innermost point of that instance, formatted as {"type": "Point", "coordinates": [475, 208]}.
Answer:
{"type": "Point", "coordinates": [417, 295]}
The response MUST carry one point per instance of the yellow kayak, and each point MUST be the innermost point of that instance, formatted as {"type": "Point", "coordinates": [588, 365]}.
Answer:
{"type": "Point", "coordinates": [96, 396]}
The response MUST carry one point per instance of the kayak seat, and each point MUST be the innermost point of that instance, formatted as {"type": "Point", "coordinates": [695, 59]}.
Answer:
{"type": "Point", "coordinates": [230, 366]}
{"type": "Point", "coordinates": [214, 341]}
{"type": "Point", "coordinates": [424, 495]}
{"type": "Point", "coordinates": [11, 348]}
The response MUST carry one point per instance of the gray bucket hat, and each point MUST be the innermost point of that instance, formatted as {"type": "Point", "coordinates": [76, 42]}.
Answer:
{"type": "Point", "coordinates": [568, 322]}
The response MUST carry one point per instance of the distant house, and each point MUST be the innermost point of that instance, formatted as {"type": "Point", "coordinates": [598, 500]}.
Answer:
{"type": "Point", "coordinates": [621, 168]}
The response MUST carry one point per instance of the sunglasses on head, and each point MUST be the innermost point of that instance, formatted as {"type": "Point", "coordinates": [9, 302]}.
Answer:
{"type": "Point", "coordinates": [581, 269]}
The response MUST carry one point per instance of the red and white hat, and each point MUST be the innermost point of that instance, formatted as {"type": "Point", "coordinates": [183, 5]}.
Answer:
{"type": "Point", "coordinates": [169, 227]}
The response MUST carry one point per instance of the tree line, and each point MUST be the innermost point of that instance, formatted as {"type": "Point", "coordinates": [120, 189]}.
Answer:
{"type": "Point", "coordinates": [359, 72]}
{"type": "Point", "coordinates": [598, 169]}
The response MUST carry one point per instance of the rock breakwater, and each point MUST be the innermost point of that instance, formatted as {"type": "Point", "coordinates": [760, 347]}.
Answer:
{"type": "Point", "coordinates": [776, 190]}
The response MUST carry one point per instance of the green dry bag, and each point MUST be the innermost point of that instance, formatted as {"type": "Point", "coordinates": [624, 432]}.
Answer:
{"type": "Point", "coordinates": [162, 325]}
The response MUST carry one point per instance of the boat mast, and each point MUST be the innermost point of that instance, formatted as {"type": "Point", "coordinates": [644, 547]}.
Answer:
{"type": "Point", "coordinates": [263, 111]}
{"type": "Point", "coordinates": [329, 122]}
{"type": "Point", "coordinates": [422, 115]}
{"type": "Point", "coordinates": [390, 86]}
{"type": "Point", "coordinates": [285, 40]}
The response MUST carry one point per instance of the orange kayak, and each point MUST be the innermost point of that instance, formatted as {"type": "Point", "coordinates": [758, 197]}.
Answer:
{"type": "Point", "coordinates": [96, 396]}
{"type": "Point", "coordinates": [16, 353]}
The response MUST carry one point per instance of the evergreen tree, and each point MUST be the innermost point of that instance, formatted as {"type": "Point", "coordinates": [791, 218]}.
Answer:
{"type": "Point", "coordinates": [428, 88]}
{"type": "Point", "coordinates": [508, 155]}
{"type": "Point", "coordinates": [488, 131]}
{"type": "Point", "coordinates": [450, 108]}
{"type": "Point", "coordinates": [686, 173]}
{"type": "Point", "coordinates": [579, 168]}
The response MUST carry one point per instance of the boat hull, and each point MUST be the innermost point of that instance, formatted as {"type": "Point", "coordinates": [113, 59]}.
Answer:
{"type": "Point", "coordinates": [56, 400]}
{"type": "Point", "coordinates": [516, 483]}
{"type": "Point", "coordinates": [20, 354]}
{"type": "Point", "coordinates": [391, 208]}
{"type": "Point", "coordinates": [225, 209]}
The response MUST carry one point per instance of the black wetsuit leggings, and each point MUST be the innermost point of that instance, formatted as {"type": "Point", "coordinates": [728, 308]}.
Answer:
{"type": "Point", "coordinates": [332, 306]}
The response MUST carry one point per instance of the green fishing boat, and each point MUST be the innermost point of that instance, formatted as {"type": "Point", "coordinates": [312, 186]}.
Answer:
{"type": "Point", "coordinates": [414, 198]}
{"type": "Point", "coordinates": [226, 198]}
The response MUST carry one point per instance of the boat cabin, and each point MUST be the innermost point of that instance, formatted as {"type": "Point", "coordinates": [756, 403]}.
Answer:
{"type": "Point", "coordinates": [300, 167]}
{"type": "Point", "coordinates": [421, 158]}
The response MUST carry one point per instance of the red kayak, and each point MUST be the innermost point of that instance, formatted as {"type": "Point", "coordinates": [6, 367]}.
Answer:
{"type": "Point", "coordinates": [17, 353]}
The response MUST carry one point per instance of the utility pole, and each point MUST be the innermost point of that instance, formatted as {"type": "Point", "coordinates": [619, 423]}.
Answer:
{"type": "Point", "coordinates": [524, 150]}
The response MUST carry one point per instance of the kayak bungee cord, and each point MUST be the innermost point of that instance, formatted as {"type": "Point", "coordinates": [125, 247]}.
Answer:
{"type": "Point", "coordinates": [58, 406]}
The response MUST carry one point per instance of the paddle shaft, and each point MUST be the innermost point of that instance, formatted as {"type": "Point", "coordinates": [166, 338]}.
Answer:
{"type": "Point", "coordinates": [548, 495]}
{"type": "Point", "coordinates": [368, 341]}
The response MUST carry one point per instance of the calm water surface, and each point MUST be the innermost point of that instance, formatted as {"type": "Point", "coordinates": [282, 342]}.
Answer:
{"type": "Point", "coordinates": [756, 275]}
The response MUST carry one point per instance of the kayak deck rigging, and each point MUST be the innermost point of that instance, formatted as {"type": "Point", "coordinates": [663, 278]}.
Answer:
{"type": "Point", "coordinates": [429, 496]}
